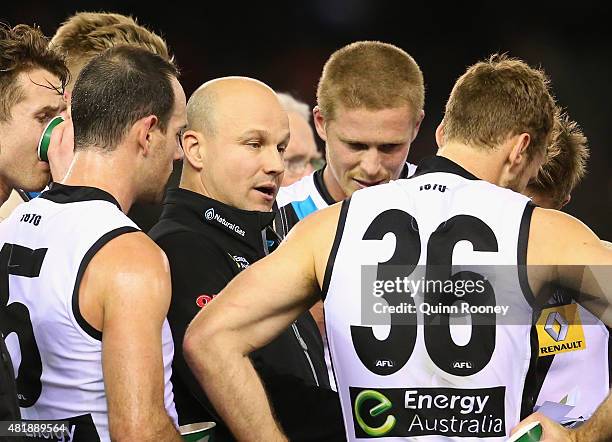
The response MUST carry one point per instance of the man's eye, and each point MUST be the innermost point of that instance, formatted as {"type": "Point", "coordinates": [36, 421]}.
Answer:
{"type": "Point", "coordinates": [254, 144]}
{"type": "Point", "coordinates": [44, 118]}
{"type": "Point", "coordinates": [357, 146]}
{"type": "Point", "coordinates": [389, 147]}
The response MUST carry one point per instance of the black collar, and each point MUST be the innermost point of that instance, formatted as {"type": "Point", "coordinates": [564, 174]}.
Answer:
{"type": "Point", "coordinates": [61, 194]}
{"type": "Point", "coordinates": [442, 164]}
{"type": "Point", "coordinates": [243, 225]}
{"type": "Point", "coordinates": [322, 188]}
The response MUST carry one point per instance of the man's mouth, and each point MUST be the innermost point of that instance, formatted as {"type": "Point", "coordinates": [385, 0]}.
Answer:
{"type": "Point", "coordinates": [268, 191]}
{"type": "Point", "coordinates": [368, 183]}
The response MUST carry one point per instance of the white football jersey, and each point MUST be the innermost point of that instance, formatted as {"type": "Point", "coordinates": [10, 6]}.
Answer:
{"type": "Point", "coordinates": [574, 358]}
{"type": "Point", "coordinates": [428, 313]}
{"type": "Point", "coordinates": [46, 246]}
{"type": "Point", "coordinates": [298, 200]}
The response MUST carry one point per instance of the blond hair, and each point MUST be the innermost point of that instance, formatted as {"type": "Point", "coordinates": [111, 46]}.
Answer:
{"type": "Point", "coordinates": [566, 163]}
{"type": "Point", "coordinates": [87, 34]}
{"type": "Point", "coordinates": [498, 98]}
{"type": "Point", "coordinates": [372, 75]}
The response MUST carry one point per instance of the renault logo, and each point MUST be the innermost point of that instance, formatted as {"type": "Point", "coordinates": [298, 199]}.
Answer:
{"type": "Point", "coordinates": [553, 321]}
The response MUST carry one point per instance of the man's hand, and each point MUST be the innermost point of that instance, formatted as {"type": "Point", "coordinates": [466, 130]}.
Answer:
{"type": "Point", "coordinates": [551, 431]}
{"type": "Point", "coordinates": [61, 150]}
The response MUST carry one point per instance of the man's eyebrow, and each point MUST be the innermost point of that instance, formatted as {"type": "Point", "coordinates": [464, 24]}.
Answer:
{"type": "Point", "coordinates": [254, 133]}
{"type": "Point", "coordinates": [51, 109]}
{"type": "Point", "coordinates": [349, 140]}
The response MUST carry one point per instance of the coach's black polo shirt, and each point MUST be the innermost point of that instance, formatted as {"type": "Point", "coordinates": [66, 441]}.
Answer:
{"type": "Point", "coordinates": [207, 244]}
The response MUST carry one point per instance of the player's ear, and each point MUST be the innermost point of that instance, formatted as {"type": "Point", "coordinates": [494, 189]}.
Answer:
{"type": "Point", "coordinates": [519, 144]}
{"type": "Point", "coordinates": [319, 122]}
{"type": "Point", "coordinates": [417, 124]}
{"type": "Point", "coordinates": [193, 148]}
{"type": "Point", "coordinates": [145, 130]}
{"type": "Point", "coordinates": [440, 135]}
{"type": "Point", "coordinates": [565, 201]}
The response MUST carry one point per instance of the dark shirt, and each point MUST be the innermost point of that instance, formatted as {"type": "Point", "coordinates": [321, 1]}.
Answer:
{"type": "Point", "coordinates": [207, 244]}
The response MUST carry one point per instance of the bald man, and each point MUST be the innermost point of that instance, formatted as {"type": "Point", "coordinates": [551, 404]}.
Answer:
{"type": "Point", "coordinates": [215, 225]}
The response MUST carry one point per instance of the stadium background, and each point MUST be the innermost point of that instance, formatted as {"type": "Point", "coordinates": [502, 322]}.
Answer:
{"type": "Point", "coordinates": [286, 44]}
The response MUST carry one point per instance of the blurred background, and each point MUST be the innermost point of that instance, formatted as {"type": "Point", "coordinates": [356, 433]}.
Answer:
{"type": "Point", "coordinates": [286, 44]}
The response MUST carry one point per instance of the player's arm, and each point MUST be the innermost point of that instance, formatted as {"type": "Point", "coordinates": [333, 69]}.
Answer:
{"type": "Point", "coordinates": [564, 250]}
{"type": "Point", "coordinates": [129, 277]}
{"type": "Point", "coordinates": [254, 308]}
{"type": "Point", "coordinates": [576, 258]}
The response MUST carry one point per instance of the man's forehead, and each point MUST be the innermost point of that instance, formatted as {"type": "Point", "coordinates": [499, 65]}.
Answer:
{"type": "Point", "coordinates": [40, 88]}
{"type": "Point", "coordinates": [39, 80]}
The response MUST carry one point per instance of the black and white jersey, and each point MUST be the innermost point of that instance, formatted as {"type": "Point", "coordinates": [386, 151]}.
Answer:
{"type": "Point", "coordinates": [298, 200]}
{"type": "Point", "coordinates": [46, 245]}
{"type": "Point", "coordinates": [309, 194]}
{"type": "Point", "coordinates": [428, 312]}
{"type": "Point", "coordinates": [574, 357]}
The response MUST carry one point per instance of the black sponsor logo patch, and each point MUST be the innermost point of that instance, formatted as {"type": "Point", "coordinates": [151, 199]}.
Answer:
{"type": "Point", "coordinates": [407, 412]}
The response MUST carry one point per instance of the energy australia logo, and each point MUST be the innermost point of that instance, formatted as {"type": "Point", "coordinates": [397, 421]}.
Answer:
{"type": "Point", "coordinates": [210, 215]}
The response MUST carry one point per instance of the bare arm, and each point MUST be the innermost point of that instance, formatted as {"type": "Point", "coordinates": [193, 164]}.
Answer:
{"type": "Point", "coordinates": [564, 250]}
{"type": "Point", "coordinates": [130, 278]}
{"type": "Point", "coordinates": [574, 256]}
{"type": "Point", "coordinates": [254, 308]}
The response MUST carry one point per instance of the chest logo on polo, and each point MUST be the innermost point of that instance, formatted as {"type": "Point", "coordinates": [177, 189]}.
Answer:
{"type": "Point", "coordinates": [211, 215]}
{"type": "Point", "coordinates": [560, 330]}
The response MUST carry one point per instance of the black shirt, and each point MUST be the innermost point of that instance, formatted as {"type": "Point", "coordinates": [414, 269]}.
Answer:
{"type": "Point", "coordinates": [207, 244]}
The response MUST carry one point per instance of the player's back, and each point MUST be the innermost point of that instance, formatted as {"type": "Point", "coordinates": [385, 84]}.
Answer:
{"type": "Point", "coordinates": [46, 246]}
{"type": "Point", "coordinates": [412, 262]}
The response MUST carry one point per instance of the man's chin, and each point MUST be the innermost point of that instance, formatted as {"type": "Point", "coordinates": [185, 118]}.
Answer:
{"type": "Point", "coordinates": [34, 185]}
{"type": "Point", "coordinates": [151, 198]}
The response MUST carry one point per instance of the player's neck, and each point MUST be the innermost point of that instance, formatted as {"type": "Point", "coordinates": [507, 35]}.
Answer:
{"type": "Point", "coordinates": [5, 191]}
{"type": "Point", "coordinates": [332, 185]}
{"type": "Point", "coordinates": [106, 172]}
{"type": "Point", "coordinates": [479, 162]}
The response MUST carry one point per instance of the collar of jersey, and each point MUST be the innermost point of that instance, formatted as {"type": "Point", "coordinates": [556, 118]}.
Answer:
{"type": "Point", "coordinates": [62, 194]}
{"type": "Point", "coordinates": [236, 220]}
{"type": "Point", "coordinates": [442, 164]}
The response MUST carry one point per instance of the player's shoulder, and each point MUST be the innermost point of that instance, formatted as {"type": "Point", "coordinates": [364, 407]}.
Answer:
{"type": "Point", "coordinates": [131, 252]}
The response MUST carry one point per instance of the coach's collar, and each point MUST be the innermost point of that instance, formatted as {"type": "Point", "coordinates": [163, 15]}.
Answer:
{"type": "Point", "coordinates": [244, 225]}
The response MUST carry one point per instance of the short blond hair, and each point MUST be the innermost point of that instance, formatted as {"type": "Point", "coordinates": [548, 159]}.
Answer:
{"type": "Point", "coordinates": [87, 34]}
{"type": "Point", "coordinates": [498, 98]}
{"type": "Point", "coordinates": [565, 166]}
{"type": "Point", "coordinates": [372, 75]}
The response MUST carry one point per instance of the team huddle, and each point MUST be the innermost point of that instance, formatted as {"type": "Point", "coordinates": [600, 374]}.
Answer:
{"type": "Point", "coordinates": [281, 296]}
